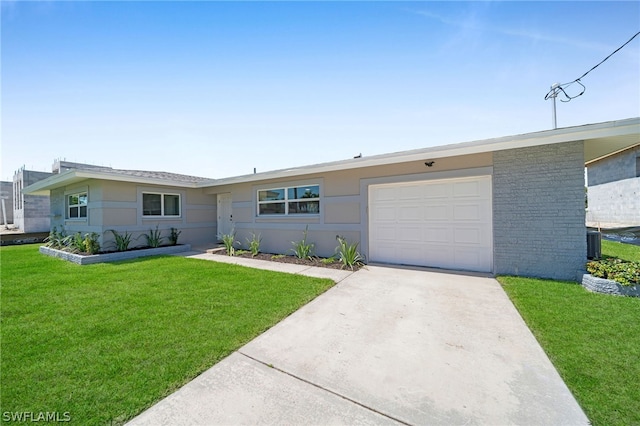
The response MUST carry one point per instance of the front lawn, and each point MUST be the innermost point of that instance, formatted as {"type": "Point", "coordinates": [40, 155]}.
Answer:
{"type": "Point", "coordinates": [592, 339]}
{"type": "Point", "coordinates": [103, 342]}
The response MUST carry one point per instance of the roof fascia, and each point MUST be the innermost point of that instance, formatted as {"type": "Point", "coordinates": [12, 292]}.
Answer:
{"type": "Point", "coordinates": [547, 137]}
{"type": "Point", "coordinates": [72, 176]}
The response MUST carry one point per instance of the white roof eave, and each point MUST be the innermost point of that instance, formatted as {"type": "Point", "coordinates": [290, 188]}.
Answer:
{"type": "Point", "coordinates": [611, 129]}
{"type": "Point", "coordinates": [69, 177]}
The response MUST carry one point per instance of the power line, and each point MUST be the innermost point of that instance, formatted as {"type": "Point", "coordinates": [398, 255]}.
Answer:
{"type": "Point", "coordinates": [560, 88]}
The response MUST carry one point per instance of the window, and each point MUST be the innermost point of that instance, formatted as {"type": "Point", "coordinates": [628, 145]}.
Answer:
{"type": "Point", "coordinates": [156, 204]}
{"type": "Point", "coordinates": [286, 201]}
{"type": "Point", "coordinates": [637, 166]}
{"type": "Point", "coordinates": [77, 205]}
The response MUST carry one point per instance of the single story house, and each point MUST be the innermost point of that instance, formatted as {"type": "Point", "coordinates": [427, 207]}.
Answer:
{"type": "Point", "coordinates": [511, 205]}
{"type": "Point", "coordinates": [613, 191]}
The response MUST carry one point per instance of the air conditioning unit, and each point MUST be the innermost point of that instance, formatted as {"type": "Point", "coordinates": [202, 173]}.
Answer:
{"type": "Point", "coordinates": [594, 245]}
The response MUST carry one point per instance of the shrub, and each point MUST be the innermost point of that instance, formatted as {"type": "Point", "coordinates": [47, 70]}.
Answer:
{"type": "Point", "coordinates": [302, 249]}
{"type": "Point", "coordinates": [75, 243]}
{"type": "Point", "coordinates": [56, 239]}
{"type": "Point", "coordinates": [618, 270]}
{"type": "Point", "coordinates": [229, 241]}
{"type": "Point", "coordinates": [121, 241]}
{"type": "Point", "coordinates": [154, 239]}
{"type": "Point", "coordinates": [254, 244]}
{"type": "Point", "coordinates": [91, 243]}
{"type": "Point", "coordinates": [173, 236]}
{"type": "Point", "coordinates": [348, 253]}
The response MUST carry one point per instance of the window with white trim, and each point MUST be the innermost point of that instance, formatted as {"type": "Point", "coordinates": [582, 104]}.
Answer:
{"type": "Point", "coordinates": [160, 204]}
{"type": "Point", "coordinates": [77, 205]}
{"type": "Point", "coordinates": [289, 200]}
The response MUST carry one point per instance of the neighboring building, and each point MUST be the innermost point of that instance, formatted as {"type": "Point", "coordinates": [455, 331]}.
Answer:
{"type": "Point", "coordinates": [509, 206]}
{"type": "Point", "coordinates": [30, 212]}
{"type": "Point", "coordinates": [613, 192]}
{"type": "Point", "coordinates": [6, 194]}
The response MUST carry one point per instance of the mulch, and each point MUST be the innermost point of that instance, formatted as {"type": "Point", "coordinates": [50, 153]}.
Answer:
{"type": "Point", "coordinates": [314, 261]}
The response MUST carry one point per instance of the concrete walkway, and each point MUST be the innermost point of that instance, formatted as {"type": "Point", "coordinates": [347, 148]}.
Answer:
{"type": "Point", "coordinates": [384, 346]}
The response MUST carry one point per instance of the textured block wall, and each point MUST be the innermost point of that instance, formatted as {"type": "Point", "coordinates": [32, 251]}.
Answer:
{"type": "Point", "coordinates": [31, 212]}
{"type": "Point", "coordinates": [6, 193]}
{"type": "Point", "coordinates": [36, 207]}
{"type": "Point", "coordinates": [615, 202]}
{"type": "Point", "coordinates": [539, 214]}
{"type": "Point", "coordinates": [616, 167]}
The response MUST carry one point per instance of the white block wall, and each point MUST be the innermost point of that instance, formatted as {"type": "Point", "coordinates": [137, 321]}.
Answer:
{"type": "Point", "coordinates": [615, 202]}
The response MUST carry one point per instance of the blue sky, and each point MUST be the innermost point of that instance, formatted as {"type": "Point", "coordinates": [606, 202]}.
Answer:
{"type": "Point", "coordinates": [215, 89]}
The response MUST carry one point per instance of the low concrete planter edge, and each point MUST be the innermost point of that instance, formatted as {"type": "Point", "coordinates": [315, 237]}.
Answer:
{"type": "Point", "coordinates": [113, 257]}
{"type": "Point", "coordinates": [602, 285]}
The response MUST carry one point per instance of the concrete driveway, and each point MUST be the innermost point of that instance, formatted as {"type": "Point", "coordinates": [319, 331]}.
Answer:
{"type": "Point", "coordinates": [384, 346]}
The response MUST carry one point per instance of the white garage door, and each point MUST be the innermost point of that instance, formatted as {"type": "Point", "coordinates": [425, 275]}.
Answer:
{"type": "Point", "coordinates": [440, 223]}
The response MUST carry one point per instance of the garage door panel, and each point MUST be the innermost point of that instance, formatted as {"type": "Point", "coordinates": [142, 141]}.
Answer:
{"type": "Point", "coordinates": [410, 213]}
{"type": "Point", "coordinates": [466, 189]}
{"type": "Point", "coordinates": [437, 190]}
{"type": "Point", "coordinates": [443, 223]}
{"type": "Point", "coordinates": [384, 213]}
{"type": "Point", "coordinates": [386, 233]}
{"type": "Point", "coordinates": [409, 254]}
{"type": "Point", "coordinates": [389, 252]}
{"type": "Point", "coordinates": [386, 194]}
{"type": "Point", "coordinates": [437, 234]}
{"type": "Point", "coordinates": [410, 192]}
{"type": "Point", "coordinates": [470, 259]}
{"type": "Point", "coordinates": [438, 255]}
{"type": "Point", "coordinates": [407, 234]}
{"type": "Point", "coordinates": [437, 212]}
{"type": "Point", "coordinates": [470, 212]}
{"type": "Point", "coordinates": [467, 236]}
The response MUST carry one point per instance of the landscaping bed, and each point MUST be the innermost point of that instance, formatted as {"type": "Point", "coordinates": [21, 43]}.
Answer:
{"type": "Point", "coordinates": [320, 262]}
{"type": "Point", "coordinates": [618, 272]}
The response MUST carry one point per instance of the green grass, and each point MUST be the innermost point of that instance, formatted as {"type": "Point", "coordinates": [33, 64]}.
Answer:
{"type": "Point", "coordinates": [627, 252]}
{"type": "Point", "coordinates": [103, 342]}
{"type": "Point", "coordinates": [592, 339]}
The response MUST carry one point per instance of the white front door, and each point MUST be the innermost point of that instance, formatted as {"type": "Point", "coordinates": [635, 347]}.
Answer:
{"type": "Point", "coordinates": [443, 223]}
{"type": "Point", "coordinates": [225, 215]}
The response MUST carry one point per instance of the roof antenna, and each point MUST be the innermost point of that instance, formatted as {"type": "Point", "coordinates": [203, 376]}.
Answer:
{"type": "Point", "coordinates": [553, 93]}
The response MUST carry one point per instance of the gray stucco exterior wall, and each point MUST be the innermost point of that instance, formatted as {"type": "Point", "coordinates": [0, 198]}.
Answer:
{"type": "Point", "coordinates": [538, 207]}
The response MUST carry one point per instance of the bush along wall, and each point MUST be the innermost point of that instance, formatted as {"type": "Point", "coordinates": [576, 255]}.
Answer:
{"type": "Point", "coordinates": [613, 276]}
